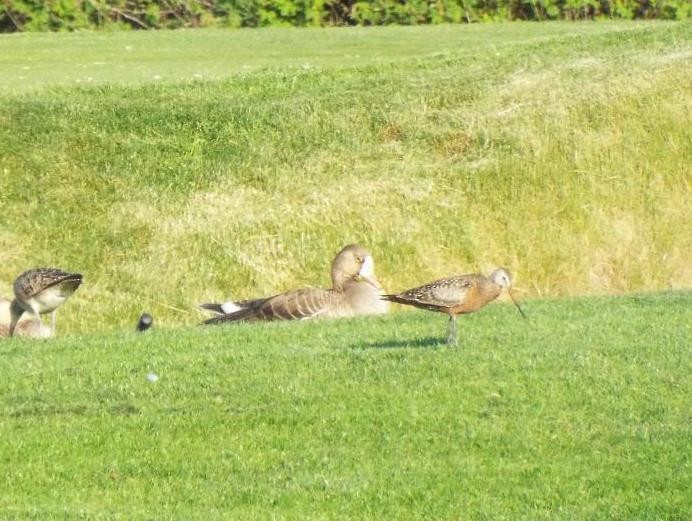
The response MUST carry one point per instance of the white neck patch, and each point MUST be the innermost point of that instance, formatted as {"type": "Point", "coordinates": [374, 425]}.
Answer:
{"type": "Point", "coordinates": [368, 267]}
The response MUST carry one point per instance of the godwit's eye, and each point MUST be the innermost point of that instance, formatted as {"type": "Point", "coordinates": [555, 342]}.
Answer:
{"type": "Point", "coordinates": [359, 259]}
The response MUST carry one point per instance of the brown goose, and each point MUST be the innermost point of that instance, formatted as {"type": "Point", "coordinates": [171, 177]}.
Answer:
{"type": "Point", "coordinates": [28, 327]}
{"type": "Point", "coordinates": [354, 291]}
{"type": "Point", "coordinates": [457, 296]}
{"type": "Point", "coordinates": [39, 291]}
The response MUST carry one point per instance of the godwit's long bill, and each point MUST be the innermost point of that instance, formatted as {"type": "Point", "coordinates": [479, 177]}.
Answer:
{"type": "Point", "coordinates": [458, 295]}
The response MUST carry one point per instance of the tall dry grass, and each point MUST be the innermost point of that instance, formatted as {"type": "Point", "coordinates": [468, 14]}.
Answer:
{"type": "Point", "coordinates": [565, 158]}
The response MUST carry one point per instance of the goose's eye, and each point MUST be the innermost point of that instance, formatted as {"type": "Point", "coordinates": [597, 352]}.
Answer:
{"type": "Point", "coordinates": [359, 259]}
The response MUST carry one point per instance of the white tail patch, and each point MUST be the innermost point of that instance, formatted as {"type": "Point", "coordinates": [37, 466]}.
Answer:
{"type": "Point", "coordinates": [368, 267]}
{"type": "Point", "coordinates": [230, 307]}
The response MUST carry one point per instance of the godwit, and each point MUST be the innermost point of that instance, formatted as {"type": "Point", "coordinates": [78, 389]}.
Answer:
{"type": "Point", "coordinates": [355, 291]}
{"type": "Point", "coordinates": [458, 295]}
{"type": "Point", "coordinates": [39, 291]}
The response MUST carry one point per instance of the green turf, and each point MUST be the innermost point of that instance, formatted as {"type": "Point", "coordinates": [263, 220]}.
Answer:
{"type": "Point", "coordinates": [581, 412]}
{"type": "Point", "coordinates": [174, 168]}
{"type": "Point", "coordinates": [29, 61]}
{"type": "Point", "coordinates": [560, 151]}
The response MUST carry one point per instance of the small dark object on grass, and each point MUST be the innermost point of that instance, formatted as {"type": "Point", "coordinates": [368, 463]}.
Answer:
{"type": "Point", "coordinates": [145, 322]}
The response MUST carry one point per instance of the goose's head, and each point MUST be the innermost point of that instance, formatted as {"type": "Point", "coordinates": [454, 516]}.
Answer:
{"type": "Point", "coordinates": [353, 263]}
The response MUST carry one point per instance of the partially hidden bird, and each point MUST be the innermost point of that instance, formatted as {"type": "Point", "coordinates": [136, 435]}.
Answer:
{"type": "Point", "coordinates": [458, 295]}
{"type": "Point", "coordinates": [355, 291]}
{"type": "Point", "coordinates": [27, 326]}
{"type": "Point", "coordinates": [40, 291]}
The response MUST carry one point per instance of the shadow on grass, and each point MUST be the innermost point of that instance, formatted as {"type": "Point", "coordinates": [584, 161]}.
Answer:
{"type": "Point", "coordinates": [428, 341]}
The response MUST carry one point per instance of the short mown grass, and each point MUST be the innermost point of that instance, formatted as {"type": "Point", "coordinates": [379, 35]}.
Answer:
{"type": "Point", "coordinates": [561, 151]}
{"type": "Point", "coordinates": [173, 168]}
{"type": "Point", "coordinates": [581, 412]}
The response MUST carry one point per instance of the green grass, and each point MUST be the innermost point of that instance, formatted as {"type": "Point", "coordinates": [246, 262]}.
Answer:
{"type": "Point", "coordinates": [559, 150]}
{"type": "Point", "coordinates": [31, 61]}
{"type": "Point", "coordinates": [580, 413]}
{"type": "Point", "coordinates": [175, 167]}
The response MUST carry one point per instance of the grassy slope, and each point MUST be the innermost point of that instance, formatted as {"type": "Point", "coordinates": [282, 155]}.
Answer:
{"type": "Point", "coordinates": [580, 413]}
{"type": "Point", "coordinates": [559, 150]}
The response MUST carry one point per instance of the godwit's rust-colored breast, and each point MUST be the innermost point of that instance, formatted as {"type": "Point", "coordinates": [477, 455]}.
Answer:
{"type": "Point", "coordinates": [441, 295]}
{"type": "Point", "coordinates": [452, 295]}
{"type": "Point", "coordinates": [481, 291]}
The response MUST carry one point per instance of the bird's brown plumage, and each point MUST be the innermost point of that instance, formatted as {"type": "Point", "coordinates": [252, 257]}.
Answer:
{"type": "Point", "coordinates": [33, 282]}
{"type": "Point", "coordinates": [453, 295]}
{"type": "Point", "coordinates": [457, 295]}
{"type": "Point", "coordinates": [354, 291]}
{"type": "Point", "coordinates": [41, 290]}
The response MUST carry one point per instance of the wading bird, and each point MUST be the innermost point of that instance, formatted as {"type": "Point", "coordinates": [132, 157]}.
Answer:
{"type": "Point", "coordinates": [457, 296]}
{"type": "Point", "coordinates": [355, 291]}
{"type": "Point", "coordinates": [40, 291]}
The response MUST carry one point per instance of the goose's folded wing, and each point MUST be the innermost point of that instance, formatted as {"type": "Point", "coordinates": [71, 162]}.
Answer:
{"type": "Point", "coordinates": [299, 304]}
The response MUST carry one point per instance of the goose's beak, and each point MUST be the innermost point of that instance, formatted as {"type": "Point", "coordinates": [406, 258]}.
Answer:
{"type": "Point", "coordinates": [516, 304]}
{"type": "Point", "coordinates": [372, 281]}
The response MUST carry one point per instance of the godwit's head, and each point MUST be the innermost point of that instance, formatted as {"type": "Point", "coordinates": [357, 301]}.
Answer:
{"type": "Point", "coordinates": [503, 278]}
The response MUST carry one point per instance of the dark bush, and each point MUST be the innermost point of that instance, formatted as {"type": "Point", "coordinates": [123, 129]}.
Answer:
{"type": "Point", "coordinates": [69, 15]}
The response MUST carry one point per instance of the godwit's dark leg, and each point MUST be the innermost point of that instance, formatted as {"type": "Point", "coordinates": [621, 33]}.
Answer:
{"type": "Point", "coordinates": [452, 339]}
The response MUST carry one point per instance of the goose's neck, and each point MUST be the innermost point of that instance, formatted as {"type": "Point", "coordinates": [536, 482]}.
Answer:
{"type": "Point", "coordinates": [340, 281]}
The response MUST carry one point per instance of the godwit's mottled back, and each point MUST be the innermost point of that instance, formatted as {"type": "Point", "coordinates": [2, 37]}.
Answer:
{"type": "Point", "coordinates": [42, 290]}
{"type": "Point", "coordinates": [457, 295]}
{"type": "Point", "coordinates": [355, 291]}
